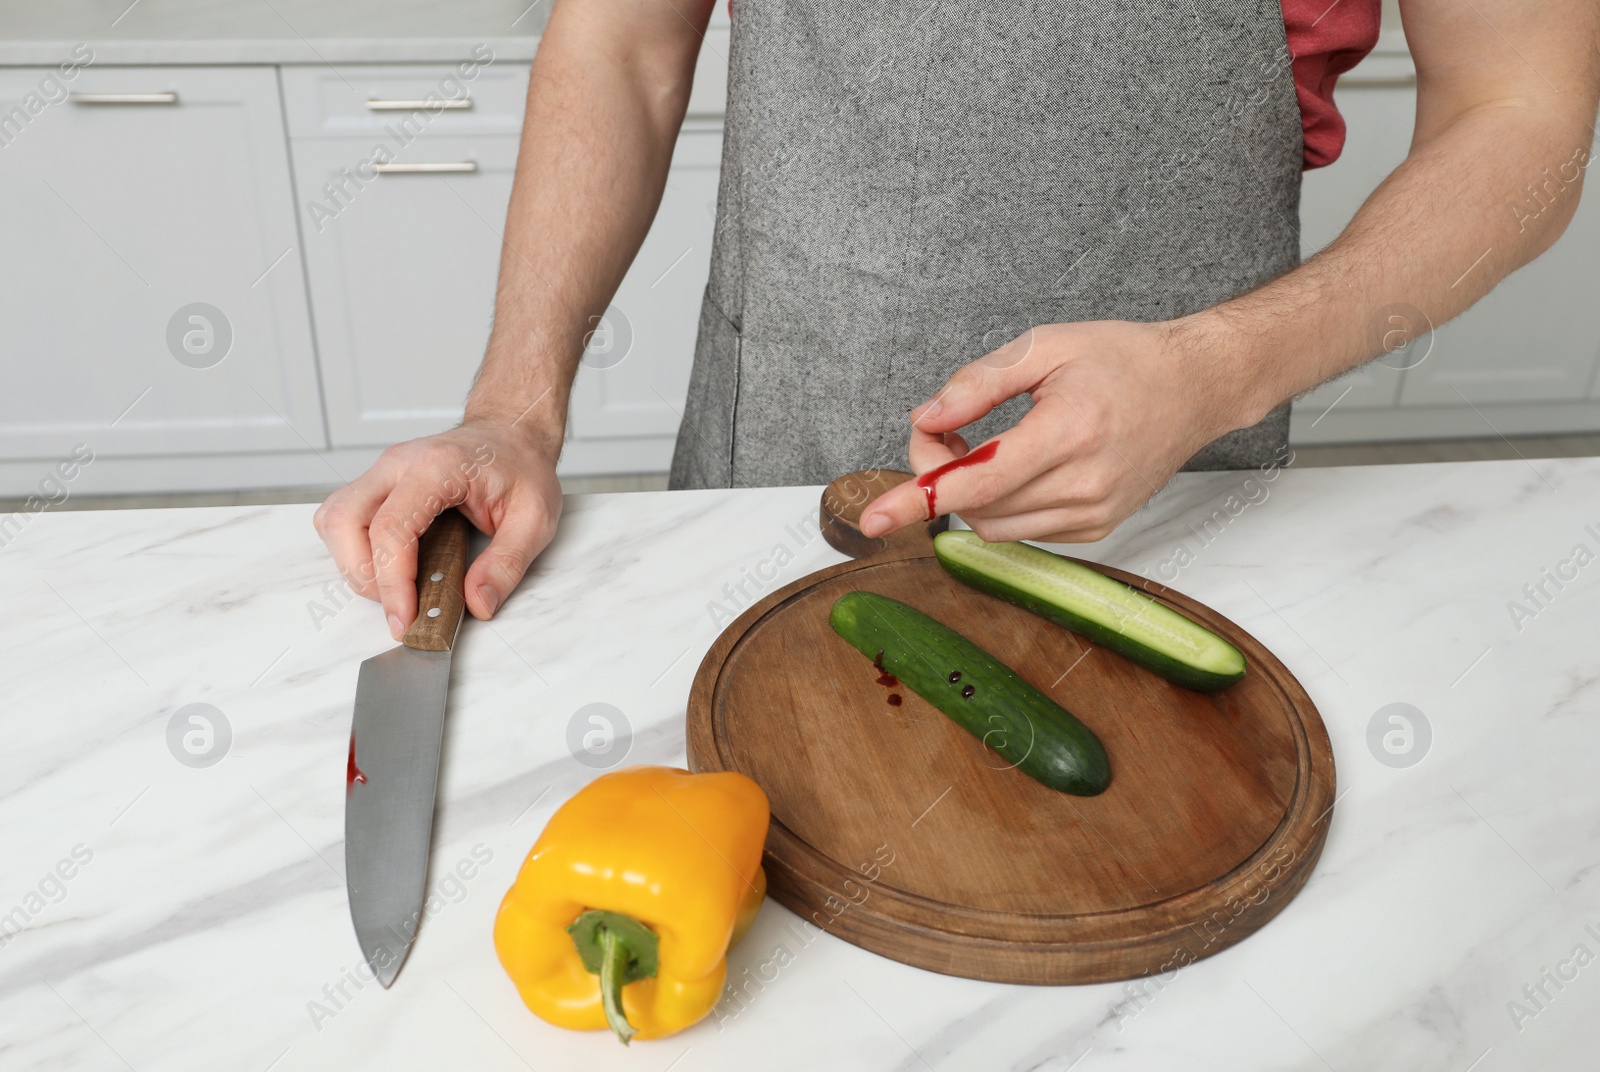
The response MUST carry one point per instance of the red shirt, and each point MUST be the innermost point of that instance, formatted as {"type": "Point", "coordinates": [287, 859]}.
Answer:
{"type": "Point", "coordinates": [1326, 39]}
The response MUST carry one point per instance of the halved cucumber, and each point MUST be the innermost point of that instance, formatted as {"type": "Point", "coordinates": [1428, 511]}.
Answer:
{"type": "Point", "coordinates": [1088, 602]}
{"type": "Point", "coordinates": [979, 692]}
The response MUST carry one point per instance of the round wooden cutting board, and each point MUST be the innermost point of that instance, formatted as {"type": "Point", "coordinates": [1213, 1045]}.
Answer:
{"type": "Point", "coordinates": [899, 831]}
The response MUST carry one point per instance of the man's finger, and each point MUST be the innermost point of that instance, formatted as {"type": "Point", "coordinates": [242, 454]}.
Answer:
{"type": "Point", "coordinates": [418, 497]}
{"type": "Point", "coordinates": [1043, 439]}
{"type": "Point", "coordinates": [910, 502]}
{"type": "Point", "coordinates": [1021, 454]}
{"type": "Point", "coordinates": [896, 508]}
{"type": "Point", "coordinates": [342, 523]}
{"type": "Point", "coordinates": [1081, 481]}
{"type": "Point", "coordinates": [1067, 525]}
{"type": "Point", "coordinates": [522, 533]}
{"type": "Point", "coordinates": [979, 387]}
{"type": "Point", "coordinates": [930, 450]}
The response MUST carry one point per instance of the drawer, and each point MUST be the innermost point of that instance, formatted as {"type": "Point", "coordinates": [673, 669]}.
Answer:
{"type": "Point", "coordinates": [402, 276]}
{"type": "Point", "coordinates": [480, 96]}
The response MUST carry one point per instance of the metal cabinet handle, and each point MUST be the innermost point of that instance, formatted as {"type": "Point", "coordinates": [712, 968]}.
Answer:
{"type": "Point", "coordinates": [461, 105]}
{"type": "Point", "coordinates": [123, 98]}
{"type": "Point", "coordinates": [465, 167]}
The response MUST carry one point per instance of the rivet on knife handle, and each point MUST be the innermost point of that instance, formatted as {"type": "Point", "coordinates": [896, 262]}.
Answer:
{"type": "Point", "coordinates": [441, 573]}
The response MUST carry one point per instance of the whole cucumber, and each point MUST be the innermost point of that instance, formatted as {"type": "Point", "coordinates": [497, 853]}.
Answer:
{"type": "Point", "coordinates": [984, 696]}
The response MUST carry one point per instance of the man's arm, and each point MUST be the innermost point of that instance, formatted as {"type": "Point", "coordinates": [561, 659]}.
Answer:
{"type": "Point", "coordinates": [1505, 101]}
{"type": "Point", "coordinates": [606, 97]}
{"type": "Point", "coordinates": [1506, 96]}
{"type": "Point", "coordinates": [605, 101]}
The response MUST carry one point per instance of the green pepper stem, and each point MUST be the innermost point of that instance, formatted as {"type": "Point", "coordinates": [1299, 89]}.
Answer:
{"type": "Point", "coordinates": [613, 971]}
{"type": "Point", "coordinates": [620, 950]}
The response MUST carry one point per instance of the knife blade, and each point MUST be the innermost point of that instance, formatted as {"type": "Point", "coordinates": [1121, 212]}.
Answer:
{"type": "Point", "coordinates": [396, 733]}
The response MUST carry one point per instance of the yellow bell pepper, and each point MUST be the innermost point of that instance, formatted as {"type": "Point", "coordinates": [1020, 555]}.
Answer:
{"type": "Point", "coordinates": [623, 913]}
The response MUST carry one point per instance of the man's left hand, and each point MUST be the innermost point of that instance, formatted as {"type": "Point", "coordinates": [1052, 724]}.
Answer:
{"type": "Point", "coordinates": [1117, 409]}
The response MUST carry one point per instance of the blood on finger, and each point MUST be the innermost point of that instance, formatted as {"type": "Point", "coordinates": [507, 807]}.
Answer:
{"type": "Point", "coordinates": [929, 481]}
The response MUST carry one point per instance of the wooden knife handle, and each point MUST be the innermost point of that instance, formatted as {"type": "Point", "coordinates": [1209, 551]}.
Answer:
{"type": "Point", "coordinates": [441, 575]}
{"type": "Point", "coordinates": [840, 516]}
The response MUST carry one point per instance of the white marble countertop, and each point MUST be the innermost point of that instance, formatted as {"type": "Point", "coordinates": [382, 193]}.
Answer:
{"type": "Point", "coordinates": [204, 923]}
{"type": "Point", "coordinates": [268, 31]}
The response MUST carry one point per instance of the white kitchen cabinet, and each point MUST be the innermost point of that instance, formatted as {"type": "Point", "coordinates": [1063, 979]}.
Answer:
{"type": "Point", "coordinates": [403, 282]}
{"type": "Point", "coordinates": [119, 218]}
{"type": "Point", "coordinates": [635, 371]}
{"type": "Point", "coordinates": [402, 279]}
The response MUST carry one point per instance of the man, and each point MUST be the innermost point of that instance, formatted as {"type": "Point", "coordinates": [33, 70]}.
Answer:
{"type": "Point", "coordinates": [936, 208]}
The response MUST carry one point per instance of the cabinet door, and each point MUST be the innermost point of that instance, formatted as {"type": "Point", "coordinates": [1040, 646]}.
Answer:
{"type": "Point", "coordinates": [635, 371]}
{"type": "Point", "coordinates": [151, 293]}
{"type": "Point", "coordinates": [1378, 102]}
{"type": "Point", "coordinates": [402, 278]}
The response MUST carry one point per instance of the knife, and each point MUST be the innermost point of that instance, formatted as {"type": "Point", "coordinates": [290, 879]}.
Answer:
{"type": "Point", "coordinates": [393, 773]}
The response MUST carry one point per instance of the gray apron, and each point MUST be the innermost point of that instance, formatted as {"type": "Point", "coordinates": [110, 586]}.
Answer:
{"type": "Point", "coordinates": [907, 187]}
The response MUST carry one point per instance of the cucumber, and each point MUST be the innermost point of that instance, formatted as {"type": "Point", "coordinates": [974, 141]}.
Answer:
{"type": "Point", "coordinates": [983, 695]}
{"type": "Point", "coordinates": [1088, 602]}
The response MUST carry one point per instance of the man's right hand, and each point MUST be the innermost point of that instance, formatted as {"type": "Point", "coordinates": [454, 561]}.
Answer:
{"type": "Point", "coordinates": [606, 96]}
{"type": "Point", "coordinates": [497, 476]}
